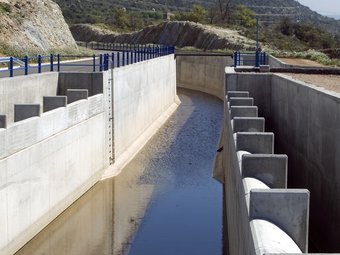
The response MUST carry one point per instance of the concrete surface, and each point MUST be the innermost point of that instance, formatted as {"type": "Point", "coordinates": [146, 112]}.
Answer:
{"type": "Point", "coordinates": [76, 94]}
{"type": "Point", "coordinates": [268, 168]}
{"type": "Point", "coordinates": [286, 208]}
{"type": "Point", "coordinates": [237, 94]}
{"type": "Point", "coordinates": [93, 82]}
{"type": "Point", "coordinates": [243, 111]}
{"type": "Point", "coordinates": [202, 73]}
{"type": "Point", "coordinates": [269, 238]}
{"type": "Point", "coordinates": [242, 124]}
{"type": "Point", "coordinates": [142, 92]}
{"type": "Point", "coordinates": [25, 111]}
{"type": "Point", "coordinates": [51, 103]}
{"type": "Point", "coordinates": [255, 142]}
{"type": "Point", "coordinates": [241, 101]}
{"type": "Point", "coordinates": [25, 90]}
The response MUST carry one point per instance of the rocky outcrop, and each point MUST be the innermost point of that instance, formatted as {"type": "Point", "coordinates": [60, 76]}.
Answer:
{"type": "Point", "coordinates": [175, 33]}
{"type": "Point", "coordinates": [34, 25]}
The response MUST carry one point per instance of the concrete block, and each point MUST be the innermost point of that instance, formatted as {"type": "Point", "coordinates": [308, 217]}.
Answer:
{"type": "Point", "coordinates": [51, 103]}
{"type": "Point", "coordinates": [256, 143]}
{"type": "Point", "coordinates": [243, 111]}
{"type": "Point", "coordinates": [288, 209]}
{"type": "Point", "coordinates": [241, 101]}
{"type": "Point", "coordinates": [76, 94]}
{"type": "Point", "coordinates": [3, 121]}
{"type": "Point", "coordinates": [242, 124]}
{"type": "Point", "coordinates": [264, 68]}
{"type": "Point", "coordinates": [237, 94]}
{"type": "Point", "coordinates": [25, 111]}
{"type": "Point", "coordinates": [271, 169]}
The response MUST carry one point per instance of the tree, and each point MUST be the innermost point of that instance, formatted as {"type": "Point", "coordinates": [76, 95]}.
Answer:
{"type": "Point", "coordinates": [246, 16]}
{"type": "Point", "coordinates": [198, 14]}
{"type": "Point", "coordinates": [224, 8]}
{"type": "Point", "coordinates": [121, 19]}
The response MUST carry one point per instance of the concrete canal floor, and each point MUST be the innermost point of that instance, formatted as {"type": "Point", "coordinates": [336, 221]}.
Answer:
{"type": "Point", "coordinates": [164, 202]}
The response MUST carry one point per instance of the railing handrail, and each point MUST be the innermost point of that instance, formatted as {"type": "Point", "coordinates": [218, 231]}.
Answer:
{"type": "Point", "coordinates": [101, 62]}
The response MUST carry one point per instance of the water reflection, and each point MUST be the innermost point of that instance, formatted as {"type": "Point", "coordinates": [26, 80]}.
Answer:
{"type": "Point", "coordinates": [165, 200]}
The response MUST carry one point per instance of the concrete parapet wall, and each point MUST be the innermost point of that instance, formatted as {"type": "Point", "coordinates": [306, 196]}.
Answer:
{"type": "Point", "coordinates": [202, 73]}
{"type": "Point", "coordinates": [25, 90]}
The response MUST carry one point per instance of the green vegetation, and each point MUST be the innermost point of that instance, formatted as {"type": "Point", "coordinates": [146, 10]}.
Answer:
{"type": "Point", "coordinates": [4, 7]}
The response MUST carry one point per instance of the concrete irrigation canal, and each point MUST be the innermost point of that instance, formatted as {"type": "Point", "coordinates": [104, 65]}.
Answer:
{"type": "Point", "coordinates": [164, 201]}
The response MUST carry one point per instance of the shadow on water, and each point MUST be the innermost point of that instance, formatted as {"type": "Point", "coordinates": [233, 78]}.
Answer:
{"type": "Point", "coordinates": [165, 200]}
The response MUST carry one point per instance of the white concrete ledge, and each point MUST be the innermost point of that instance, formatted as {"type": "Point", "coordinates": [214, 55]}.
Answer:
{"type": "Point", "coordinates": [23, 134]}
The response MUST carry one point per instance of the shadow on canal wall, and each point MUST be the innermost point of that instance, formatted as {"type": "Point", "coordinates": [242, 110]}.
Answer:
{"type": "Point", "coordinates": [65, 130]}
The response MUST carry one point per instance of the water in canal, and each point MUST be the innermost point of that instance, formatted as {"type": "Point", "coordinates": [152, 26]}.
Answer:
{"type": "Point", "coordinates": [164, 202]}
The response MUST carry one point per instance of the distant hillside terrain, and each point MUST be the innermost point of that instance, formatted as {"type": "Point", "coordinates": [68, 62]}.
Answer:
{"type": "Point", "coordinates": [177, 33]}
{"type": "Point", "coordinates": [33, 25]}
{"type": "Point", "coordinates": [100, 11]}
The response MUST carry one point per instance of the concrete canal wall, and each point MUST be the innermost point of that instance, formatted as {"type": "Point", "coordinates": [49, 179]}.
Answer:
{"type": "Point", "coordinates": [68, 134]}
{"type": "Point", "coordinates": [305, 121]}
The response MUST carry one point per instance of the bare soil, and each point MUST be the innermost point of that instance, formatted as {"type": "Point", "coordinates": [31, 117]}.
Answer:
{"type": "Point", "coordinates": [300, 62]}
{"type": "Point", "coordinates": [330, 82]}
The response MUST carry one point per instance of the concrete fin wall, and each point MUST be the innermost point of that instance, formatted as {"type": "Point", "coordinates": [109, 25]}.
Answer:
{"type": "Point", "coordinates": [257, 215]}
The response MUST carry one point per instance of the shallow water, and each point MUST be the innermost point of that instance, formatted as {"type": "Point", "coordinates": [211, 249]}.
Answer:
{"type": "Point", "coordinates": [164, 202]}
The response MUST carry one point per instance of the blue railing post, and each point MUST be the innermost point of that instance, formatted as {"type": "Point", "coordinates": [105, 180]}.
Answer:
{"type": "Point", "coordinates": [118, 59]}
{"type": "Point", "coordinates": [94, 63]}
{"type": "Point", "coordinates": [123, 64]}
{"type": "Point", "coordinates": [39, 63]}
{"type": "Point", "coordinates": [58, 60]}
{"type": "Point", "coordinates": [235, 59]}
{"type": "Point", "coordinates": [257, 59]}
{"type": "Point", "coordinates": [26, 65]}
{"type": "Point", "coordinates": [11, 71]}
{"type": "Point", "coordinates": [264, 58]}
{"type": "Point", "coordinates": [239, 58]}
{"type": "Point", "coordinates": [100, 62]}
{"type": "Point", "coordinates": [128, 58]}
{"type": "Point", "coordinates": [113, 60]}
{"type": "Point", "coordinates": [51, 62]}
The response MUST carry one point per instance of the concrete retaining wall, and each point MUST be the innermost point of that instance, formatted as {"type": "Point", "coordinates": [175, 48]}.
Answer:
{"type": "Point", "coordinates": [202, 73]}
{"type": "Point", "coordinates": [144, 95]}
{"type": "Point", "coordinates": [49, 161]}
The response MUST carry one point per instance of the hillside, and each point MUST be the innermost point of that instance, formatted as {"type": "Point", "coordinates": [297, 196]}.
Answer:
{"type": "Point", "coordinates": [33, 26]}
{"type": "Point", "coordinates": [177, 33]}
{"type": "Point", "coordinates": [101, 11]}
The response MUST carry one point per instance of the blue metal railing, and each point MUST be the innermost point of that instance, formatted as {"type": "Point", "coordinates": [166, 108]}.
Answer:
{"type": "Point", "coordinates": [249, 58]}
{"type": "Point", "coordinates": [100, 62]}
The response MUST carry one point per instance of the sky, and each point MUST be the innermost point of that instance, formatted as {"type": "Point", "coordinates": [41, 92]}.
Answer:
{"type": "Point", "coordinates": [326, 7]}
